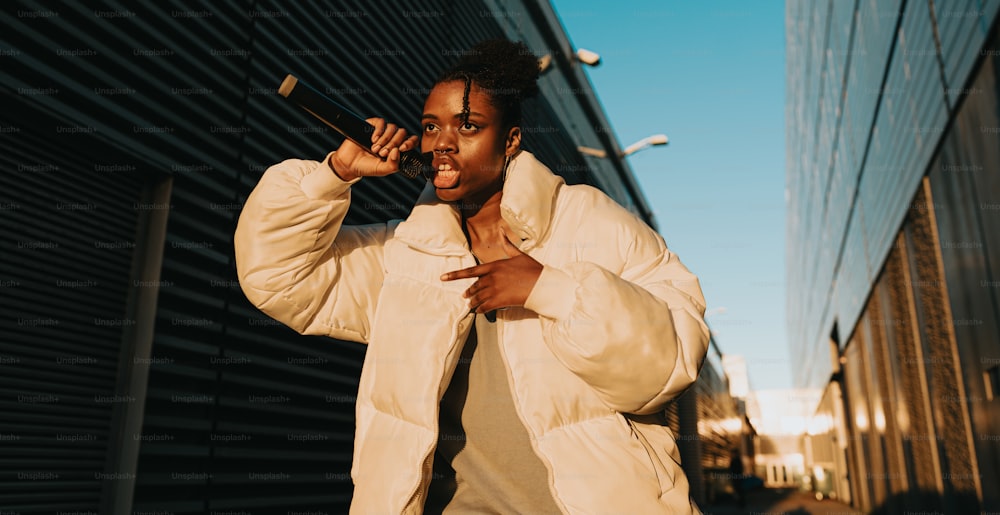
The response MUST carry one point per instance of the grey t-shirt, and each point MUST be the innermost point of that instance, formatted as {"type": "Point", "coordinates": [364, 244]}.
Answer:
{"type": "Point", "coordinates": [484, 461]}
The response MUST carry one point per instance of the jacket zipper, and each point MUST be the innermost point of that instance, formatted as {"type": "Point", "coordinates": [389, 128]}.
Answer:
{"type": "Point", "coordinates": [520, 417]}
{"type": "Point", "coordinates": [415, 498]}
{"type": "Point", "coordinates": [426, 470]}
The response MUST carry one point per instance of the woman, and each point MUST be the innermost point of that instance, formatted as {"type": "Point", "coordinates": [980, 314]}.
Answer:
{"type": "Point", "coordinates": [524, 335]}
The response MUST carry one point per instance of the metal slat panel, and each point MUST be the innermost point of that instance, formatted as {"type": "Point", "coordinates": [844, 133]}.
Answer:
{"type": "Point", "coordinates": [850, 289]}
{"type": "Point", "coordinates": [963, 27]}
{"type": "Point", "coordinates": [62, 307]}
{"type": "Point", "coordinates": [909, 126]}
{"type": "Point", "coordinates": [193, 298]}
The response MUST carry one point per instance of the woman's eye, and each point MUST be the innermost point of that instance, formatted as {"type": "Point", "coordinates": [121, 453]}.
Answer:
{"type": "Point", "coordinates": [468, 127]}
{"type": "Point", "coordinates": [429, 127]}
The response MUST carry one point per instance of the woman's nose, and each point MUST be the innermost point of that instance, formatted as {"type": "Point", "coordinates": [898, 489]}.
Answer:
{"type": "Point", "coordinates": [445, 142]}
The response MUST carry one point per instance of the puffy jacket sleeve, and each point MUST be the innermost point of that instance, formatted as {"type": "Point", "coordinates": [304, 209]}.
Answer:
{"type": "Point", "coordinates": [298, 263]}
{"type": "Point", "coordinates": [638, 337]}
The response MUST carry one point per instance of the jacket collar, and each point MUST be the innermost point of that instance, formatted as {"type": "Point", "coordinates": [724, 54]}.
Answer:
{"type": "Point", "coordinates": [529, 195]}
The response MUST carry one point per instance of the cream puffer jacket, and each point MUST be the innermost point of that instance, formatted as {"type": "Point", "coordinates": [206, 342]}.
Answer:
{"type": "Point", "coordinates": [611, 332]}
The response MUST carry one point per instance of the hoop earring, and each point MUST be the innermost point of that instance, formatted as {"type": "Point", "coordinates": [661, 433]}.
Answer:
{"type": "Point", "coordinates": [506, 166]}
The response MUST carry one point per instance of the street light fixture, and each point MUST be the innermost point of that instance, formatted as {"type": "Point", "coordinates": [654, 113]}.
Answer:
{"type": "Point", "coordinates": [544, 62]}
{"type": "Point", "coordinates": [654, 140]}
{"type": "Point", "coordinates": [588, 57]}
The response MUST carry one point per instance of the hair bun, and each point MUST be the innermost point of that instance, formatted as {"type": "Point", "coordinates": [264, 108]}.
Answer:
{"type": "Point", "coordinates": [506, 68]}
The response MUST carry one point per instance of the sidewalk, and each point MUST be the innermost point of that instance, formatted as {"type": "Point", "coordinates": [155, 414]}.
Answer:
{"type": "Point", "coordinates": [780, 502]}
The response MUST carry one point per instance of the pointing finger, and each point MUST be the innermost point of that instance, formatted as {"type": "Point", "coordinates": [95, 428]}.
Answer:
{"type": "Point", "coordinates": [475, 271]}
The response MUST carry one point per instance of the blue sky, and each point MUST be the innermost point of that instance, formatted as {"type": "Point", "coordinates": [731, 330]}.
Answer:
{"type": "Point", "coordinates": [711, 76]}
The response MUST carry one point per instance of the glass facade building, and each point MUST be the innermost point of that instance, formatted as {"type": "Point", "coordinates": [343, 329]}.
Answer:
{"type": "Point", "coordinates": [893, 183]}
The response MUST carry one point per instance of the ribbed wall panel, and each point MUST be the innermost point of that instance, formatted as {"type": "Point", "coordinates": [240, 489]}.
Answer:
{"type": "Point", "coordinates": [834, 57]}
{"type": "Point", "coordinates": [912, 404]}
{"type": "Point", "coordinates": [875, 32]}
{"type": "Point", "coordinates": [814, 40]}
{"type": "Point", "coordinates": [804, 187]}
{"type": "Point", "coordinates": [909, 126]}
{"type": "Point", "coordinates": [794, 23]}
{"type": "Point", "coordinates": [65, 229]}
{"type": "Point", "coordinates": [966, 203]}
{"type": "Point", "coordinates": [963, 26]}
{"type": "Point", "coordinates": [849, 291]}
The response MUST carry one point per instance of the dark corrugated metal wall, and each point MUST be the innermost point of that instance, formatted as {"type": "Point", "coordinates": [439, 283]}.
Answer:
{"type": "Point", "coordinates": [65, 254]}
{"type": "Point", "coordinates": [101, 100]}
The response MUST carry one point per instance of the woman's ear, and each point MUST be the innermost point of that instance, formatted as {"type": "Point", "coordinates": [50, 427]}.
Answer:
{"type": "Point", "coordinates": [513, 141]}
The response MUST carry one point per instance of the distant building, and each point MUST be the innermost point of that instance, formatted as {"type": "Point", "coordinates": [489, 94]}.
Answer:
{"type": "Point", "coordinates": [712, 430]}
{"type": "Point", "coordinates": [893, 184]}
{"type": "Point", "coordinates": [739, 378]}
{"type": "Point", "coordinates": [780, 418]}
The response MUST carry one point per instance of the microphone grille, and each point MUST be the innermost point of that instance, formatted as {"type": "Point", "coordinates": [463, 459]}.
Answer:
{"type": "Point", "coordinates": [413, 165]}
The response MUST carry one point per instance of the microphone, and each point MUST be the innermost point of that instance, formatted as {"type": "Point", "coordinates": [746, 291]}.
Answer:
{"type": "Point", "coordinates": [353, 127]}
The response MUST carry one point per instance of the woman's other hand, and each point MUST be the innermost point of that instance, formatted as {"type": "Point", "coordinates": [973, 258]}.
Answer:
{"type": "Point", "coordinates": [500, 284]}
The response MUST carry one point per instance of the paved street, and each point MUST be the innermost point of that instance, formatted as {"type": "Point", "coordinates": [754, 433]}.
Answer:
{"type": "Point", "coordinates": [780, 502]}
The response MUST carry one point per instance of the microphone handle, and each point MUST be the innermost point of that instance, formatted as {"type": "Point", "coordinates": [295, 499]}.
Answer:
{"type": "Point", "coordinates": [411, 163]}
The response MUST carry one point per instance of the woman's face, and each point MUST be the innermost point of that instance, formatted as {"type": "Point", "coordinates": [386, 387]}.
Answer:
{"type": "Point", "coordinates": [468, 154]}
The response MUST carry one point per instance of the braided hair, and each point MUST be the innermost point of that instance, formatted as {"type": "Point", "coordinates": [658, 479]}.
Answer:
{"type": "Point", "coordinates": [506, 70]}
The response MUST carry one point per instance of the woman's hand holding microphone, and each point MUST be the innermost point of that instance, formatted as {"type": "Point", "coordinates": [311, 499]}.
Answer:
{"type": "Point", "coordinates": [351, 161]}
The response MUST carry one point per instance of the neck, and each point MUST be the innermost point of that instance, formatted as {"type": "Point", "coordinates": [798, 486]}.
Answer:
{"type": "Point", "coordinates": [485, 214]}
{"type": "Point", "coordinates": [484, 228]}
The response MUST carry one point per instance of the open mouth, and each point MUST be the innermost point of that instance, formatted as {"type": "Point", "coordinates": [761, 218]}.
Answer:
{"type": "Point", "coordinates": [446, 176]}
